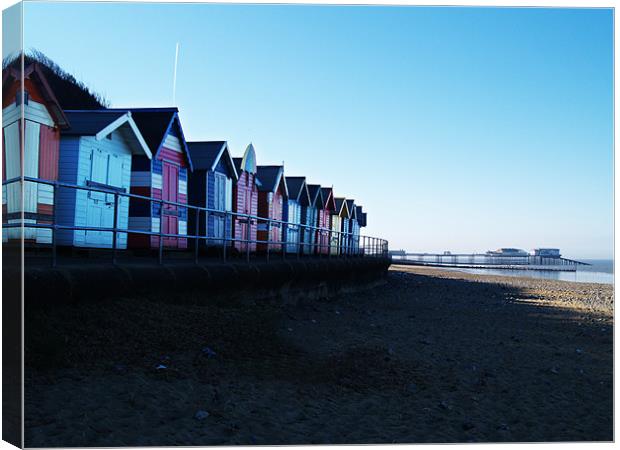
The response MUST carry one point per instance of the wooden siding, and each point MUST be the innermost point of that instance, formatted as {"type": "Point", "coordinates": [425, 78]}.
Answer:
{"type": "Point", "coordinates": [270, 205]}
{"type": "Point", "coordinates": [90, 208]}
{"type": "Point", "coordinates": [34, 93]}
{"type": "Point", "coordinates": [336, 224]}
{"type": "Point", "coordinates": [66, 198]}
{"type": "Point", "coordinates": [292, 235]}
{"type": "Point", "coordinates": [40, 160]}
{"type": "Point", "coordinates": [48, 154]}
{"type": "Point", "coordinates": [245, 201]}
{"type": "Point", "coordinates": [150, 176]}
{"type": "Point", "coordinates": [309, 216]}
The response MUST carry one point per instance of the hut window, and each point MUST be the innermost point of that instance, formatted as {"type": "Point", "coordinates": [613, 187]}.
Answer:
{"type": "Point", "coordinates": [18, 98]}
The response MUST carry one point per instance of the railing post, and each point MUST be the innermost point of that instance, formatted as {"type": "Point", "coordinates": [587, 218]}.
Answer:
{"type": "Point", "coordinates": [329, 243]}
{"type": "Point", "coordinates": [161, 232]}
{"type": "Point", "coordinates": [268, 234]}
{"type": "Point", "coordinates": [247, 239]}
{"type": "Point", "coordinates": [207, 240]}
{"type": "Point", "coordinates": [114, 233]}
{"type": "Point", "coordinates": [299, 240]}
{"type": "Point", "coordinates": [55, 224]}
{"type": "Point", "coordinates": [224, 236]}
{"type": "Point", "coordinates": [283, 243]}
{"type": "Point", "coordinates": [196, 232]}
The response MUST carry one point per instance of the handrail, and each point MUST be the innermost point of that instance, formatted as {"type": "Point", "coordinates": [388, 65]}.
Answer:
{"type": "Point", "coordinates": [322, 241]}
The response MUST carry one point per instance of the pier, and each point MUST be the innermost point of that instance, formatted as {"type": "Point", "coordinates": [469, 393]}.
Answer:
{"type": "Point", "coordinates": [486, 261]}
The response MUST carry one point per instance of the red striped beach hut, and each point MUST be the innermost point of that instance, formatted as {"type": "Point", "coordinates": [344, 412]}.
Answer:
{"type": "Point", "coordinates": [245, 200]}
{"type": "Point", "coordinates": [324, 222]}
{"type": "Point", "coordinates": [164, 177]}
{"type": "Point", "coordinates": [43, 120]}
{"type": "Point", "coordinates": [272, 195]}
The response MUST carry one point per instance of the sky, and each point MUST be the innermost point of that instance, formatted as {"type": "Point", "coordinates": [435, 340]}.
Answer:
{"type": "Point", "coordinates": [461, 129]}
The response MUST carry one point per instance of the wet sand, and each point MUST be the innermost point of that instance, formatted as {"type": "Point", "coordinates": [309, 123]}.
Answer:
{"type": "Point", "coordinates": [431, 356]}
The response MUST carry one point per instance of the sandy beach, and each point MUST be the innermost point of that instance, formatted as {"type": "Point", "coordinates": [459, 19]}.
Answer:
{"type": "Point", "coordinates": [431, 356]}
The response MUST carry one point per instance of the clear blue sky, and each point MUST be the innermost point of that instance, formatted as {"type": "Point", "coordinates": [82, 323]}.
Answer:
{"type": "Point", "coordinates": [460, 129]}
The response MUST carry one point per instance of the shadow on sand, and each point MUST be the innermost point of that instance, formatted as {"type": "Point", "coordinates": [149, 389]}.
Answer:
{"type": "Point", "coordinates": [422, 359]}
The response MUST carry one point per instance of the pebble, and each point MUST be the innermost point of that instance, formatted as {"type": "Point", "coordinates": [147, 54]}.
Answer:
{"type": "Point", "coordinates": [201, 415]}
{"type": "Point", "coordinates": [209, 352]}
{"type": "Point", "coordinates": [444, 405]}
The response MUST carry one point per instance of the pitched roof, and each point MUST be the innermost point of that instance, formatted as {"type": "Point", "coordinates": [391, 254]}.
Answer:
{"type": "Point", "coordinates": [361, 216]}
{"type": "Point", "coordinates": [269, 177]}
{"type": "Point", "coordinates": [341, 207]}
{"type": "Point", "coordinates": [69, 92]}
{"type": "Point", "coordinates": [297, 189]}
{"type": "Point", "coordinates": [89, 123]}
{"type": "Point", "coordinates": [35, 72]}
{"type": "Point", "coordinates": [248, 161]}
{"type": "Point", "coordinates": [155, 123]}
{"type": "Point", "coordinates": [207, 154]}
{"type": "Point", "coordinates": [237, 162]}
{"type": "Point", "coordinates": [100, 123]}
{"type": "Point", "coordinates": [328, 194]}
{"type": "Point", "coordinates": [351, 208]}
{"type": "Point", "coordinates": [314, 190]}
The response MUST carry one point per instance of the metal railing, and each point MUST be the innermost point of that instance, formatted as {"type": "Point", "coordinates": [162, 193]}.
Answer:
{"type": "Point", "coordinates": [322, 242]}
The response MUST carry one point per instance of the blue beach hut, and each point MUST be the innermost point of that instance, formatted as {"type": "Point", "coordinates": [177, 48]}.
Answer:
{"type": "Point", "coordinates": [96, 151]}
{"type": "Point", "coordinates": [297, 198]}
{"type": "Point", "coordinates": [211, 186]}
{"type": "Point", "coordinates": [310, 216]}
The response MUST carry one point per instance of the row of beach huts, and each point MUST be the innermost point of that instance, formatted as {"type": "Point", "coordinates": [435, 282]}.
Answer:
{"type": "Point", "coordinates": [72, 138]}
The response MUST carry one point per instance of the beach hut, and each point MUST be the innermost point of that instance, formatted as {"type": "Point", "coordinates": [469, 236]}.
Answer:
{"type": "Point", "coordinates": [310, 217]}
{"type": "Point", "coordinates": [298, 197]}
{"type": "Point", "coordinates": [354, 229]}
{"type": "Point", "coordinates": [324, 222]}
{"type": "Point", "coordinates": [245, 200]}
{"type": "Point", "coordinates": [361, 222]}
{"type": "Point", "coordinates": [43, 121]}
{"type": "Point", "coordinates": [162, 177]}
{"type": "Point", "coordinates": [350, 227]}
{"type": "Point", "coordinates": [272, 196]}
{"type": "Point", "coordinates": [338, 216]}
{"type": "Point", "coordinates": [361, 216]}
{"type": "Point", "coordinates": [96, 151]}
{"type": "Point", "coordinates": [211, 186]}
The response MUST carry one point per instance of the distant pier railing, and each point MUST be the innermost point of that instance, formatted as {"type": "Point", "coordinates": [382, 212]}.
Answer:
{"type": "Point", "coordinates": [486, 261]}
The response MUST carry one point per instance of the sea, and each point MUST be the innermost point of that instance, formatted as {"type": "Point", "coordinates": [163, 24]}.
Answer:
{"type": "Point", "coordinates": [599, 271]}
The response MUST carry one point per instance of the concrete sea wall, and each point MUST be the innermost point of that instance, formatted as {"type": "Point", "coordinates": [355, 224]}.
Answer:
{"type": "Point", "coordinates": [282, 281]}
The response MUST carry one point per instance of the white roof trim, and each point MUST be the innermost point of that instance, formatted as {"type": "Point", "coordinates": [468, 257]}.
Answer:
{"type": "Point", "coordinates": [125, 118]}
{"type": "Point", "coordinates": [230, 160]}
{"type": "Point", "coordinates": [277, 183]}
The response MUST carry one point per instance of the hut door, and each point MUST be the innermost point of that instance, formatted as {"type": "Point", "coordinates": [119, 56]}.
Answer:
{"type": "Point", "coordinates": [31, 169]}
{"type": "Point", "coordinates": [95, 203]}
{"type": "Point", "coordinates": [170, 193]}
{"type": "Point", "coordinates": [12, 169]}
{"type": "Point", "coordinates": [219, 197]}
